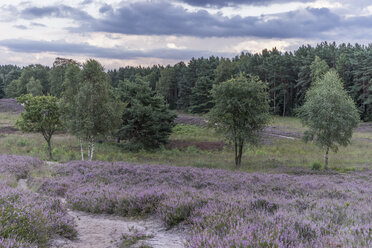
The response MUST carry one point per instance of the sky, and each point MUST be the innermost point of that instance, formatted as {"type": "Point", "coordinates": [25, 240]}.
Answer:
{"type": "Point", "coordinates": [149, 32]}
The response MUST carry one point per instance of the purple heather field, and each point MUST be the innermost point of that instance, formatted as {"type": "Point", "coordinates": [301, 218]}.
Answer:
{"type": "Point", "coordinates": [220, 208]}
{"type": "Point", "coordinates": [224, 208]}
{"type": "Point", "coordinates": [28, 219]}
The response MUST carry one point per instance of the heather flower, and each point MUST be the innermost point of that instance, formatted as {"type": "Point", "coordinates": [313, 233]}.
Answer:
{"type": "Point", "coordinates": [223, 208]}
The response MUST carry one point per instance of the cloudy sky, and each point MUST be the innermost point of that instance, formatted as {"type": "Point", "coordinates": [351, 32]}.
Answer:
{"type": "Point", "coordinates": [120, 33]}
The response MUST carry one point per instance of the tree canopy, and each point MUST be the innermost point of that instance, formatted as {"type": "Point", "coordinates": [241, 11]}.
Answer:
{"type": "Point", "coordinates": [329, 113]}
{"type": "Point", "coordinates": [90, 109]}
{"type": "Point", "coordinates": [42, 114]}
{"type": "Point", "coordinates": [34, 87]}
{"type": "Point", "coordinates": [240, 112]}
{"type": "Point", "coordinates": [146, 120]}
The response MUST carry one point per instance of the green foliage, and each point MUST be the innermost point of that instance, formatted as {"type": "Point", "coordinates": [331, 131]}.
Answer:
{"type": "Point", "coordinates": [167, 86]}
{"type": "Point", "coordinates": [2, 87]}
{"type": "Point", "coordinates": [8, 73]}
{"type": "Point", "coordinates": [70, 86]}
{"type": "Point", "coordinates": [201, 98]}
{"type": "Point", "coordinates": [184, 86]}
{"type": "Point", "coordinates": [224, 71]}
{"type": "Point", "coordinates": [318, 68]}
{"type": "Point", "coordinates": [130, 239]}
{"type": "Point", "coordinates": [185, 91]}
{"type": "Point", "coordinates": [34, 87]}
{"type": "Point", "coordinates": [31, 227]}
{"type": "Point", "coordinates": [41, 115]}
{"type": "Point", "coordinates": [18, 86]}
{"type": "Point", "coordinates": [146, 119]}
{"type": "Point", "coordinates": [12, 89]}
{"type": "Point", "coordinates": [330, 114]}
{"type": "Point", "coordinates": [57, 75]}
{"type": "Point", "coordinates": [89, 107]}
{"type": "Point", "coordinates": [13, 73]}
{"type": "Point", "coordinates": [240, 111]}
{"type": "Point", "coordinates": [316, 166]}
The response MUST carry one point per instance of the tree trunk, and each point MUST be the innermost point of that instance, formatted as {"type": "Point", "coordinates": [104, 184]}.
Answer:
{"type": "Point", "coordinates": [326, 159]}
{"type": "Point", "coordinates": [240, 153]}
{"type": "Point", "coordinates": [81, 150]}
{"type": "Point", "coordinates": [50, 149]}
{"type": "Point", "coordinates": [91, 151]}
{"type": "Point", "coordinates": [284, 104]}
{"type": "Point", "coordinates": [236, 152]}
{"type": "Point", "coordinates": [274, 99]}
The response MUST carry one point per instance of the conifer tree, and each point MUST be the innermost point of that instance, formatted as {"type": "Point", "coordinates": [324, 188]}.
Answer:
{"type": "Point", "coordinates": [201, 98]}
{"type": "Point", "coordinates": [146, 121]}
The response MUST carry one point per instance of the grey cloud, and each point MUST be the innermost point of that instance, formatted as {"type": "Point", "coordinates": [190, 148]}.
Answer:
{"type": "Point", "coordinates": [32, 24]}
{"type": "Point", "coordinates": [9, 13]}
{"type": "Point", "coordinates": [61, 11]}
{"type": "Point", "coordinates": [358, 22]}
{"type": "Point", "coordinates": [164, 18]}
{"type": "Point", "coordinates": [160, 18]}
{"type": "Point", "coordinates": [105, 8]}
{"type": "Point", "coordinates": [36, 24]}
{"type": "Point", "coordinates": [224, 3]}
{"type": "Point", "coordinates": [86, 2]}
{"type": "Point", "coordinates": [23, 27]}
{"type": "Point", "coordinates": [62, 47]}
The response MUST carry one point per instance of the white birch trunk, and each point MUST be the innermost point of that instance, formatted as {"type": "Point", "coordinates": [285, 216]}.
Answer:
{"type": "Point", "coordinates": [92, 151]}
{"type": "Point", "coordinates": [81, 150]}
{"type": "Point", "coordinates": [89, 150]}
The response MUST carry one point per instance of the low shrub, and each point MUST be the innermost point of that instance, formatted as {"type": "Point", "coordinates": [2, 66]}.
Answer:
{"type": "Point", "coordinates": [316, 166]}
{"type": "Point", "coordinates": [32, 218]}
{"type": "Point", "coordinates": [132, 238]}
{"type": "Point", "coordinates": [224, 208]}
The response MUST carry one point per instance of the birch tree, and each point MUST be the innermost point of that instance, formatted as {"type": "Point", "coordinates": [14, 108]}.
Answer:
{"type": "Point", "coordinates": [330, 113]}
{"type": "Point", "coordinates": [90, 109]}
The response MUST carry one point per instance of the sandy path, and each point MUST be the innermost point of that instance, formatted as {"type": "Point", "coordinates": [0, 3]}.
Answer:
{"type": "Point", "coordinates": [105, 231]}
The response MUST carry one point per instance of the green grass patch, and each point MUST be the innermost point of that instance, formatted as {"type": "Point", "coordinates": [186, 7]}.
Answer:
{"type": "Point", "coordinates": [266, 158]}
{"type": "Point", "coordinates": [8, 119]}
{"type": "Point", "coordinates": [194, 133]}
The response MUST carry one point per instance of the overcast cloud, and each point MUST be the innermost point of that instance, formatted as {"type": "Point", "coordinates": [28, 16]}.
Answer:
{"type": "Point", "coordinates": [223, 3]}
{"type": "Point", "coordinates": [131, 31]}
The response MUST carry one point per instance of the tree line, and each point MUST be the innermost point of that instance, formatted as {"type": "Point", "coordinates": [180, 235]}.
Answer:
{"type": "Point", "coordinates": [187, 86]}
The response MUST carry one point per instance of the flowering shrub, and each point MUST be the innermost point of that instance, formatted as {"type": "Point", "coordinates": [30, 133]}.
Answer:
{"type": "Point", "coordinates": [223, 208]}
{"type": "Point", "coordinates": [19, 166]}
{"type": "Point", "coordinates": [32, 218]}
{"type": "Point", "coordinates": [27, 216]}
{"type": "Point", "coordinates": [13, 243]}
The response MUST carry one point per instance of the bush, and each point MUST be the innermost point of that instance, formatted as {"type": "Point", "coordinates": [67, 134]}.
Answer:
{"type": "Point", "coordinates": [316, 166]}
{"type": "Point", "coordinates": [176, 210]}
{"type": "Point", "coordinates": [262, 204]}
{"type": "Point", "coordinates": [146, 119]}
{"type": "Point", "coordinates": [31, 218]}
{"type": "Point", "coordinates": [130, 239]}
